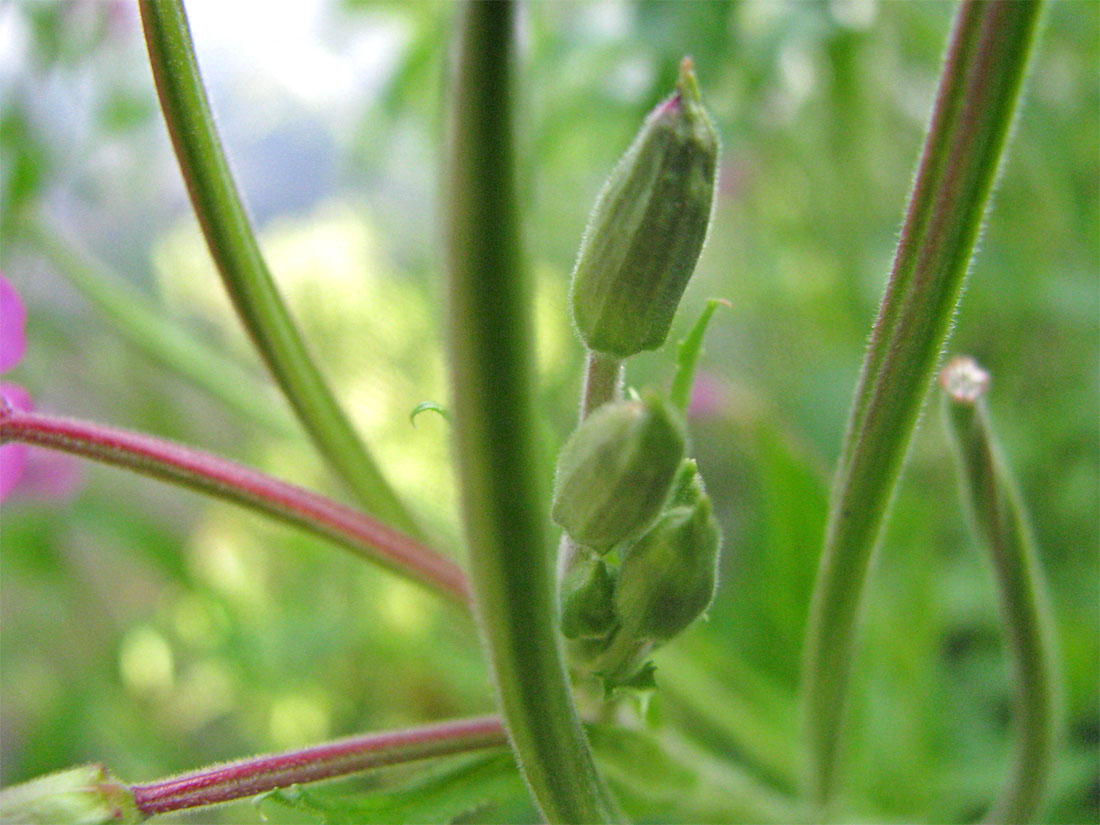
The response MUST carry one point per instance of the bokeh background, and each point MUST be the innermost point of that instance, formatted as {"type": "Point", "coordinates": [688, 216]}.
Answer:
{"type": "Point", "coordinates": [150, 629]}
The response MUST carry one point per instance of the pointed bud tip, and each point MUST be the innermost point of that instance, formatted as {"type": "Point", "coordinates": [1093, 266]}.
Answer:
{"type": "Point", "coordinates": [687, 86]}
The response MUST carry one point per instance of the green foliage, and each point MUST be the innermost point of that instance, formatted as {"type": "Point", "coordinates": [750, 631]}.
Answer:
{"type": "Point", "coordinates": [275, 640]}
{"type": "Point", "coordinates": [486, 789]}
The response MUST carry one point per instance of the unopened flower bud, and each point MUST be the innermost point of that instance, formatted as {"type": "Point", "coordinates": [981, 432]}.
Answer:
{"type": "Point", "coordinates": [688, 486]}
{"type": "Point", "coordinates": [588, 601]}
{"type": "Point", "coordinates": [85, 795]}
{"type": "Point", "coordinates": [616, 470]}
{"type": "Point", "coordinates": [647, 228]}
{"type": "Point", "coordinates": [668, 577]}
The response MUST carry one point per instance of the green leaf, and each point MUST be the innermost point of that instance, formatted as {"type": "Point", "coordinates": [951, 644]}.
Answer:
{"type": "Point", "coordinates": [658, 780]}
{"type": "Point", "coordinates": [688, 353]}
{"type": "Point", "coordinates": [483, 789]}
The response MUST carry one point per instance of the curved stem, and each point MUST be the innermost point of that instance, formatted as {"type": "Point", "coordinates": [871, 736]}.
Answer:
{"type": "Point", "coordinates": [229, 481]}
{"type": "Point", "coordinates": [504, 501]}
{"type": "Point", "coordinates": [258, 774]}
{"type": "Point", "coordinates": [986, 62]}
{"type": "Point", "coordinates": [236, 253]}
{"type": "Point", "coordinates": [999, 521]}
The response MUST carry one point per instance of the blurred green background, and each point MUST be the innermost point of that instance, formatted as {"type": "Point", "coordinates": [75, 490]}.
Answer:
{"type": "Point", "coordinates": [155, 631]}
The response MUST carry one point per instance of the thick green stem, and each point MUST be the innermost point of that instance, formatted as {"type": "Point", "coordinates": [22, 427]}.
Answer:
{"type": "Point", "coordinates": [980, 86]}
{"type": "Point", "coordinates": [505, 502]}
{"type": "Point", "coordinates": [236, 253]}
{"type": "Point", "coordinates": [1000, 522]}
{"type": "Point", "coordinates": [137, 320]}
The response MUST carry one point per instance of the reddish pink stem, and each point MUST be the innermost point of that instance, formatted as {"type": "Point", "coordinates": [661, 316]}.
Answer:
{"type": "Point", "coordinates": [234, 482]}
{"type": "Point", "coordinates": [248, 777]}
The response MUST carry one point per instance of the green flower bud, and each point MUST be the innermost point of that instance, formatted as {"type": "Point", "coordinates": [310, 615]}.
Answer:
{"type": "Point", "coordinates": [647, 228]}
{"type": "Point", "coordinates": [668, 577]}
{"type": "Point", "coordinates": [588, 601]}
{"type": "Point", "coordinates": [86, 795]}
{"type": "Point", "coordinates": [688, 486]}
{"type": "Point", "coordinates": [616, 470]}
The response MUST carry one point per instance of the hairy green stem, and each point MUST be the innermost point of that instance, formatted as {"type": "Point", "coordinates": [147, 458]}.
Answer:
{"type": "Point", "coordinates": [236, 253]}
{"type": "Point", "coordinates": [985, 65]}
{"type": "Point", "coordinates": [227, 480]}
{"type": "Point", "coordinates": [603, 381]}
{"type": "Point", "coordinates": [343, 757]}
{"type": "Point", "coordinates": [137, 320]}
{"type": "Point", "coordinates": [999, 521]}
{"type": "Point", "coordinates": [505, 503]}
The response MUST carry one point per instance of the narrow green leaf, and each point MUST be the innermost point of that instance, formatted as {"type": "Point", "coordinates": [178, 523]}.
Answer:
{"type": "Point", "coordinates": [504, 496]}
{"type": "Point", "coordinates": [235, 251]}
{"type": "Point", "coordinates": [152, 331]}
{"type": "Point", "coordinates": [985, 66]}
{"type": "Point", "coordinates": [688, 353]}
{"type": "Point", "coordinates": [999, 521]}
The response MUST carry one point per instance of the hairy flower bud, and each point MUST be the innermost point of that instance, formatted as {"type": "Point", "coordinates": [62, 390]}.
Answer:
{"type": "Point", "coordinates": [588, 601]}
{"type": "Point", "coordinates": [85, 795]}
{"type": "Point", "coordinates": [668, 577]}
{"type": "Point", "coordinates": [647, 228]}
{"type": "Point", "coordinates": [616, 470]}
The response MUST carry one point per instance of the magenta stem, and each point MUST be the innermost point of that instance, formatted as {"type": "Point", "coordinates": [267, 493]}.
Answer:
{"type": "Point", "coordinates": [250, 488]}
{"type": "Point", "coordinates": [248, 777]}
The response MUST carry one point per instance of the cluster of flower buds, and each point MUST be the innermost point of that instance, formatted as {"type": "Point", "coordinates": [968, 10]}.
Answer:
{"type": "Point", "coordinates": [641, 561]}
{"type": "Point", "coordinates": [619, 602]}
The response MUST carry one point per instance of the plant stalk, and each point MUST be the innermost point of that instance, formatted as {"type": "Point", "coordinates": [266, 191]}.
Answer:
{"type": "Point", "coordinates": [229, 481]}
{"type": "Point", "coordinates": [999, 521]}
{"type": "Point", "coordinates": [258, 774]}
{"type": "Point", "coordinates": [505, 504]}
{"type": "Point", "coordinates": [986, 62]}
{"type": "Point", "coordinates": [233, 246]}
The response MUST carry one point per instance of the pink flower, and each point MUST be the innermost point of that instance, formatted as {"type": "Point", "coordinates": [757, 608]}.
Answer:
{"type": "Point", "coordinates": [709, 397]}
{"type": "Point", "coordinates": [43, 474]}
{"type": "Point", "coordinates": [13, 343]}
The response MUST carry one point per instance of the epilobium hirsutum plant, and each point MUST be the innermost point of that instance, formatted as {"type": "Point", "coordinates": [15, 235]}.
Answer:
{"type": "Point", "coordinates": [640, 546]}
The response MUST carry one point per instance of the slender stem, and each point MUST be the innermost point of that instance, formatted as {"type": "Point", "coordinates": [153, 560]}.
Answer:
{"type": "Point", "coordinates": [603, 381]}
{"type": "Point", "coordinates": [504, 501]}
{"type": "Point", "coordinates": [229, 481]}
{"type": "Point", "coordinates": [999, 521]}
{"type": "Point", "coordinates": [157, 334]}
{"type": "Point", "coordinates": [986, 61]}
{"type": "Point", "coordinates": [236, 253]}
{"type": "Point", "coordinates": [255, 775]}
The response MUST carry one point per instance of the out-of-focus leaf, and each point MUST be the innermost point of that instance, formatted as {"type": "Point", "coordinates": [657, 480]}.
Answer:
{"type": "Point", "coordinates": [654, 782]}
{"type": "Point", "coordinates": [481, 789]}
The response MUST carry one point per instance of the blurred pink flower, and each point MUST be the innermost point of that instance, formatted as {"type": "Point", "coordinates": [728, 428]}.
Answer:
{"type": "Point", "coordinates": [13, 343]}
{"type": "Point", "coordinates": [709, 396]}
{"type": "Point", "coordinates": [43, 474]}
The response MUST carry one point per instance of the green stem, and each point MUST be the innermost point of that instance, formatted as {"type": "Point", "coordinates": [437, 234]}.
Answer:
{"type": "Point", "coordinates": [504, 501]}
{"type": "Point", "coordinates": [1000, 522]}
{"type": "Point", "coordinates": [149, 329]}
{"type": "Point", "coordinates": [227, 480]}
{"type": "Point", "coordinates": [603, 381]}
{"type": "Point", "coordinates": [236, 253]}
{"type": "Point", "coordinates": [980, 86]}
